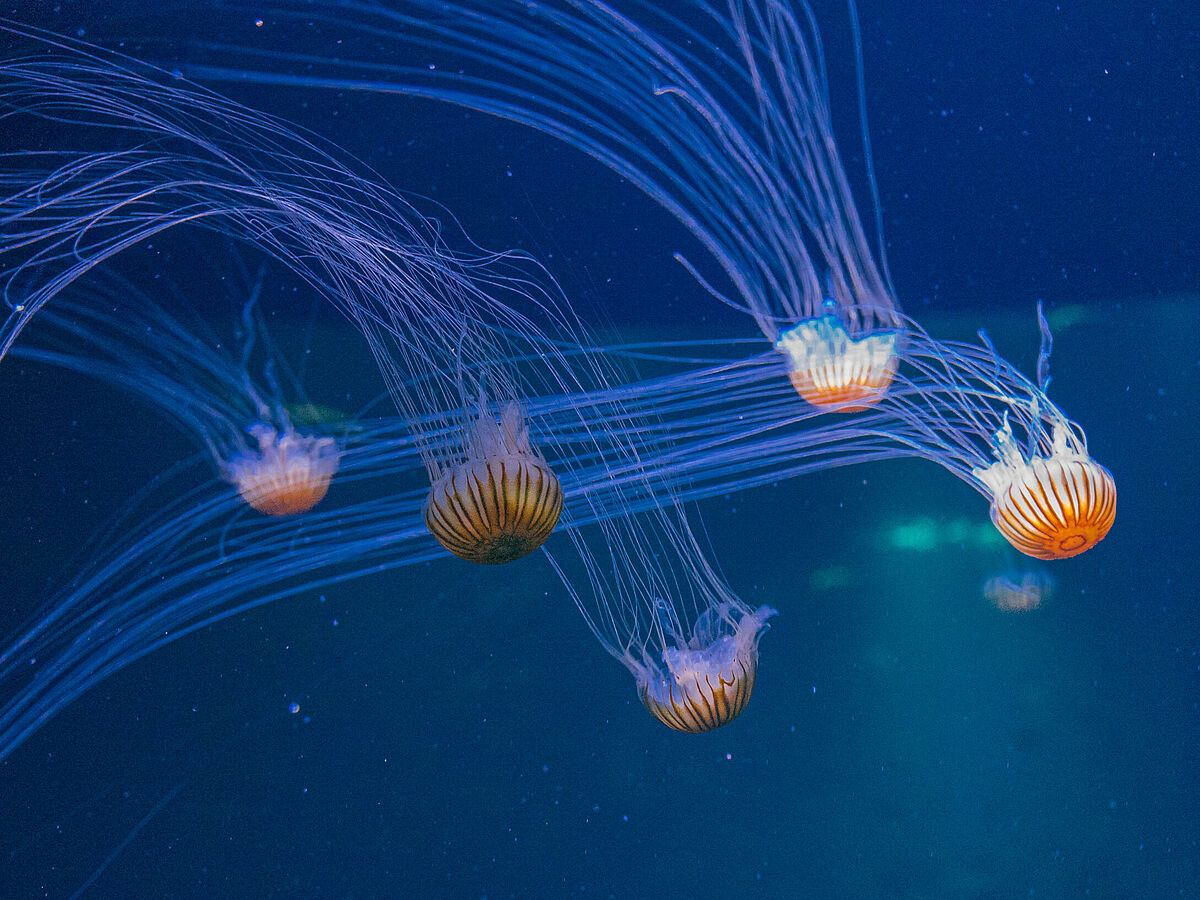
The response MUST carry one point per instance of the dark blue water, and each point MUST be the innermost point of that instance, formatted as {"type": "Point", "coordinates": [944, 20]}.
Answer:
{"type": "Point", "coordinates": [457, 730]}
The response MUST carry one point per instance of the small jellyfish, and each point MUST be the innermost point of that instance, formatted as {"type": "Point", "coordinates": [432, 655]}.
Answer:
{"type": "Point", "coordinates": [1049, 507]}
{"type": "Point", "coordinates": [832, 370]}
{"type": "Point", "coordinates": [1018, 592]}
{"type": "Point", "coordinates": [660, 609]}
{"type": "Point", "coordinates": [289, 473]}
{"type": "Point", "coordinates": [112, 330]}
{"type": "Point", "coordinates": [503, 501]}
{"type": "Point", "coordinates": [709, 678]}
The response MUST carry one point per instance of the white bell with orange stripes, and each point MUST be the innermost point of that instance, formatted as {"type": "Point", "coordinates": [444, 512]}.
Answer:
{"type": "Point", "coordinates": [1049, 507]}
{"type": "Point", "coordinates": [288, 473]}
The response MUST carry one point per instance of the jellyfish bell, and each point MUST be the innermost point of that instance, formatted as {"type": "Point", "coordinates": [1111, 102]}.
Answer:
{"type": "Point", "coordinates": [503, 500]}
{"type": "Point", "coordinates": [286, 474]}
{"type": "Point", "coordinates": [708, 679]}
{"type": "Point", "coordinates": [830, 369]}
{"type": "Point", "coordinates": [1051, 506]}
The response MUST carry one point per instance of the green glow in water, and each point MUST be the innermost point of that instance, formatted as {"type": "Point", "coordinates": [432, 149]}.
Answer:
{"type": "Point", "coordinates": [924, 535]}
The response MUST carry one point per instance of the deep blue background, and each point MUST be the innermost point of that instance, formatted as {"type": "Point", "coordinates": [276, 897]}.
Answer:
{"type": "Point", "coordinates": [460, 733]}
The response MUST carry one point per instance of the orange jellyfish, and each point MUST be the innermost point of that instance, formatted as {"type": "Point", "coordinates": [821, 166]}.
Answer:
{"type": "Point", "coordinates": [965, 408]}
{"type": "Point", "coordinates": [288, 473]}
{"type": "Point", "coordinates": [656, 606]}
{"type": "Point", "coordinates": [709, 677]}
{"type": "Point", "coordinates": [189, 375]}
{"type": "Point", "coordinates": [1051, 506]}
{"type": "Point", "coordinates": [503, 500]}
{"type": "Point", "coordinates": [833, 370]}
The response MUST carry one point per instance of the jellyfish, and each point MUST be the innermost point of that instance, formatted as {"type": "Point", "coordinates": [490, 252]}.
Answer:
{"type": "Point", "coordinates": [1047, 496]}
{"type": "Point", "coordinates": [287, 473]}
{"type": "Point", "coordinates": [660, 609]}
{"type": "Point", "coordinates": [1018, 591]}
{"type": "Point", "coordinates": [831, 369]}
{"type": "Point", "coordinates": [185, 561]}
{"type": "Point", "coordinates": [503, 502]}
{"type": "Point", "coordinates": [241, 420]}
{"type": "Point", "coordinates": [1049, 505]}
{"type": "Point", "coordinates": [708, 678]}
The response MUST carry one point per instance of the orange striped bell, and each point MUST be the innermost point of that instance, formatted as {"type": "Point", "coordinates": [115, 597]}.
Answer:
{"type": "Point", "coordinates": [701, 703]}
{"type": "Point", "coordinates": [496, 509]}
{"type": "Point", "coordinates": [1057, 508]}
{"type": "Point", "coordinates": [706, 686]}
{"type": "Point", "coordinates": [1049, 507]}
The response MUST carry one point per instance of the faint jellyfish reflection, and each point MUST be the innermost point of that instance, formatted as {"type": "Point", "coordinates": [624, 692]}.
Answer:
{"type": "Point", "coordinates": [1018, 591]}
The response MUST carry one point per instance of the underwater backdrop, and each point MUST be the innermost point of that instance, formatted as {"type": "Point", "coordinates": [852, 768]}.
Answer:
{"type": "Point", "coordinates": [448, 730]}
